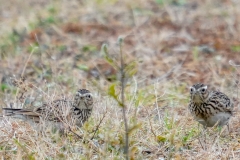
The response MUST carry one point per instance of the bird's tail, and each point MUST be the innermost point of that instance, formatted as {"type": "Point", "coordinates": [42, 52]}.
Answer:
{"type": "Point", "coordinates": [20, 113]}
{"type": "Point", "coordinates": [10, 111]}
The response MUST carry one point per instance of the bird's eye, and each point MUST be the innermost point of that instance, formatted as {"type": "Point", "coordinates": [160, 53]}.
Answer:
{"type": "Point", "coordinates": [203, 90]}
{"type": "Point", "coordinates": [191, 89]}
{"type": "Point", "coordinates": [89, 96]}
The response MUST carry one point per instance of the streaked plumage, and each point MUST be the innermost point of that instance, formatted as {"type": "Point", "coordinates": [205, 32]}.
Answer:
{"type": "Point", "coordinates": [209, 107]}
{"type": "Point", "coordinates": [74, 112]}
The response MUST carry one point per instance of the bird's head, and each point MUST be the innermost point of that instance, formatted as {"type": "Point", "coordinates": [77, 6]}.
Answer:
{"type": "Point", "coordinates": [83, 99]}
{"type": "Point", "coordinates": [199, 93]}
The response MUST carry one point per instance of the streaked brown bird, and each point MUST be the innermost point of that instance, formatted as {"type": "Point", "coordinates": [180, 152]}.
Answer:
{"type": "Point", "coordinates": [208, 107]}
{"type": "Point", "coordinates": [64, 112]}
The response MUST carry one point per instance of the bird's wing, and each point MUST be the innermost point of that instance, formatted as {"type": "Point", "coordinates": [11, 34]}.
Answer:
{"type": "Point", "coordinates": [223, 101]}
{"type": "Point", "coordinates": [57, 110]}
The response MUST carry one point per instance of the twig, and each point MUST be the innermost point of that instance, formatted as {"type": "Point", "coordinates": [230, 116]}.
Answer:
{"type": "Point", "coordinates": [151, 125]}
{"type": "Point", "coordinates": [200, 142]}
{"type": "Point", "coordinates": [95, 131]}
{"type": "Point", "coordinates": [233, 64]}
{"type": "Point", "coordinates": [75, 133]}
{"type": "Point", "coordinates": [24, 68]}
{"type": "Point", "coordinates": [26, 63]}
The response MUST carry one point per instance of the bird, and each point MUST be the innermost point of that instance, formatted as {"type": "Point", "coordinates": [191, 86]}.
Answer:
{"type": "Point", "coordinates": [60, 111]}
{"type": "Point", "coordinates": [210, 108]}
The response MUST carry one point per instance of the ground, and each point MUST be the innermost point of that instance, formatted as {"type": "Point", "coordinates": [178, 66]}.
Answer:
{"type": "Point", "coordinates": [51, 49]}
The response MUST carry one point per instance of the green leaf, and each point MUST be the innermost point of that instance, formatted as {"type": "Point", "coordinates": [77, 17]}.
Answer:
{"type": "Point", "coordinates": [120, 40]}
{"type": "Point", "coordinates": [112, 92]}
{"type": "Point", "coordinates": [62, 48]}
{"type": "Point", "coordinates": [89, 48]}
{"type": "Point", "coordinates": [235, 48]}
{"type": "Point", "coordinates": [133, 128]}
{"type": "Point", "coordinates": [52, 9]}
{"type": "Point", "coordinates": [161, 2]}
{"type": "Point", "coordinates": [195, 53]}
{"type": "Point", "coordinates": [4, 87]}
{"type": "Point", "coordinates": [83, 67]}
{"type": "Point", "coordinates": [120, 103]}
{"type": "Point", "coordinates": [50, 20]}
{"type": "Point", "coordinates": [161, 138]}
{"type": "Point", "coordinates": [104, 52]}
{"type": "Point", "coordinates": [130, 69]}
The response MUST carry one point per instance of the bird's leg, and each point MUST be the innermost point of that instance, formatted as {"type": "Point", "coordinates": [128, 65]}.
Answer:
{"type": "Point", "coordinates": [201, 133]}
{"type": "Point", "coordinates": [228, 128]}
{"type": "Point", "coordinates": [205, 131]}
{"type": "Point", "coordinates": [221, 129]}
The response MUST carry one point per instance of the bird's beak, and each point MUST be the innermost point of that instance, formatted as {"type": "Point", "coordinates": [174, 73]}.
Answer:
{"type": "Point", "coordinates": [197, 98]}
{"type": "Point", "coordinates": [81, 96]}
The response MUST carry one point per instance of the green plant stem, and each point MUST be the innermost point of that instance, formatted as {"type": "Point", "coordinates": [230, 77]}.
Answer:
{"type": "Point", "coordinates": [126, 148]}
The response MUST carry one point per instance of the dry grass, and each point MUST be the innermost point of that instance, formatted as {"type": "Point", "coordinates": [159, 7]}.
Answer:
{"type": "Point", "coordinates": [56, 47]}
